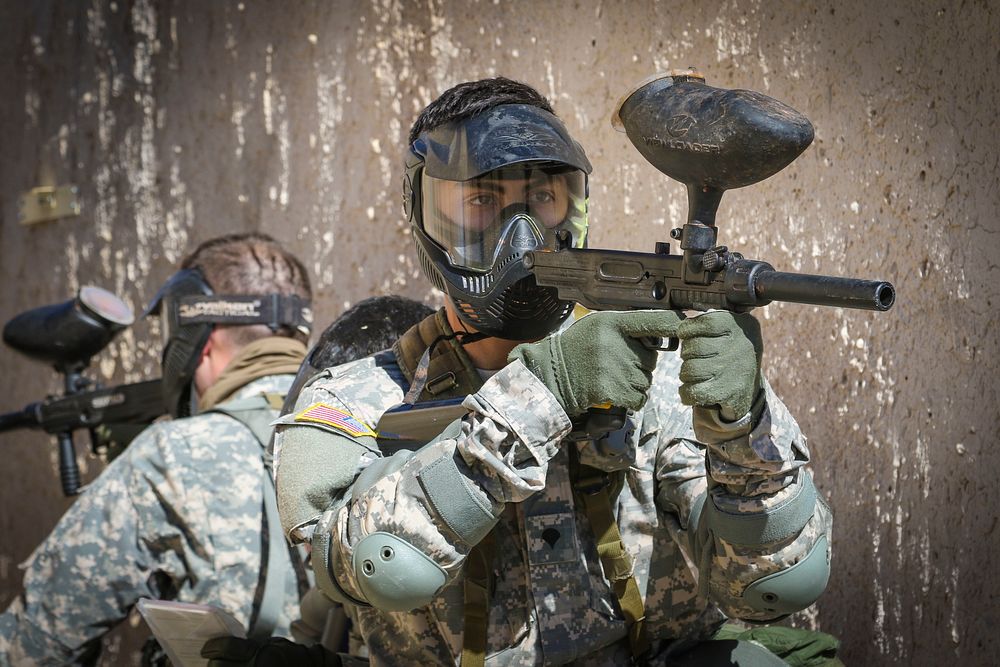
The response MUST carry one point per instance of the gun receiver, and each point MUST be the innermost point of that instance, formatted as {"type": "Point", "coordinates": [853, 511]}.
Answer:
{"type": "Point", "coordinates": [137, 403]}
{"type": "Point", "coordinates": [620, 280]}
{"type": "Point", "coordinates": [711, 140]}
{"type": "Point", "coordinates": [67, 335]}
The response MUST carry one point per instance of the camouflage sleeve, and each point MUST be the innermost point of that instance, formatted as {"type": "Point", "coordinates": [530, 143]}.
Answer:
{"type": "Point", "coordinates": [98, 560]}
{"type": "Point", "coordinates": [753, 511]}
{"type": "Point", "coordinates": [442, 497]}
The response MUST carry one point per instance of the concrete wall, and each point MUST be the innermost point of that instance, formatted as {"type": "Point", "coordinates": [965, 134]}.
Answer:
{"type": "Point", "coordinates": [183, 120]}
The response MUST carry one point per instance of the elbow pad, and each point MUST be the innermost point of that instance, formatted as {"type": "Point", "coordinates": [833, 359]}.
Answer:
{"type": "Point", "coordinates": [394, 575]}
{"type": "Point", "coordinates": [794, 589]}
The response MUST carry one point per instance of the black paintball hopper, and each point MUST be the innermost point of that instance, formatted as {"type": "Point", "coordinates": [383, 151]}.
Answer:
{"type": "Point", "coordinates": [68, 334]}
{"type": "Point", "coordinates": [708, 138]}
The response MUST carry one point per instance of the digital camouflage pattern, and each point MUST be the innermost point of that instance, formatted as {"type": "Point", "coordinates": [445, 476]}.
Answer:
{"type": "Point", "coordinates": [550, 600]}
{"type": "Point", "coordinates": [177, 515]}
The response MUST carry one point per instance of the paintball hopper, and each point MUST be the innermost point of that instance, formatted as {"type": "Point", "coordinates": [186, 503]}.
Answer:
{"type": "Point", "coordinates": [710, 139]}
{"type": "Point", "coordinates": [68, 334]}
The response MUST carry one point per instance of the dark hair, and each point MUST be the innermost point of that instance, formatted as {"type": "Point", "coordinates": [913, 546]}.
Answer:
{"type": "Point", "coordinates": [250, 263]}
{"type": "Point", "coordinates": [473, 98]}
{"type": "Point", "coordinates": [370, 326]}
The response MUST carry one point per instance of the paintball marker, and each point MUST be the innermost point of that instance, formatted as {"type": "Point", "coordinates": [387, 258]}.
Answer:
{"type": "Point", "coordinates": [66, 335]}
{"type": "Point", "coordinates": [712, 140]}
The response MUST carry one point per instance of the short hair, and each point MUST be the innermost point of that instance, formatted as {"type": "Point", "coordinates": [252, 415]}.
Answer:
{"type": "Point", "coordinates": [473, 98]}
{"type": "Point", "coordinates": [370, 326]}
{"type": "Point", "coordinates": [249, 264]}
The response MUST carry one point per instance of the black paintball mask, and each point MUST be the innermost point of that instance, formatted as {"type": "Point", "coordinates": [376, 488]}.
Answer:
{"type": "Point", "coordinates": [479, 194]}
{"type": "Point", "coordinates": [189, 310]}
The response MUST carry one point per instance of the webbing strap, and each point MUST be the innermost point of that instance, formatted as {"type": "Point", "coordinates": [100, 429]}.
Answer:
{"type": "Point", "coordinates": [477, 603]}
{"type": "Point", "coordinates": [592, 490]}
{"type": "Point", "coordinates": [256, 414]}
{"type": "Point", "coordinates": [447, 372]}
{"type": "Point", "coordinates": [278, 562]}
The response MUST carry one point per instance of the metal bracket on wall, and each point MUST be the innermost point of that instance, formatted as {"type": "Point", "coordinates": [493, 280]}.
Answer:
{"type": "Point", "coordinates": [48, 203]}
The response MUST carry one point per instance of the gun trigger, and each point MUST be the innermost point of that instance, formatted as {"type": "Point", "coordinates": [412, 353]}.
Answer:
{"type": "Point", "coordinates": [652, 342]}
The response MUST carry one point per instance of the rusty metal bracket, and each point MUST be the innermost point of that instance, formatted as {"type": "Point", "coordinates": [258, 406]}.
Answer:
{"type": "Point", "coordinates": [48, 203]}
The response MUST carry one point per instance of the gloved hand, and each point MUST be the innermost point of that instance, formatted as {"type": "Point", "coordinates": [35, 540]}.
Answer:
{"type": "Point", "coordinates": [275, 652]}
{"type": "Point", "coordinates": [599, 359]}
{"type": "Point", "coordinates": [721, 354]}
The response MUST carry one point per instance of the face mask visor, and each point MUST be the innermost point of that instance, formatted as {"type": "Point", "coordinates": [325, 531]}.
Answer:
{"type": "Point", "coordinates": [479, 220]}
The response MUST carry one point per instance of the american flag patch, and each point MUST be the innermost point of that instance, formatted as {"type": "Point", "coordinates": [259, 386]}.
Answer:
{"type": "Point", "coordinates": [322, 413]}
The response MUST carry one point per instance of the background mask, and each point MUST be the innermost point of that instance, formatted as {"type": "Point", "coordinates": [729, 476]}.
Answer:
{"type": "Point", "coordinates": [189, 311]}
{"type": "Point", "coordinates": [479, 194]}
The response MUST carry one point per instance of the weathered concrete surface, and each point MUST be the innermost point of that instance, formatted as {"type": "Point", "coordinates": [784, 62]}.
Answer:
{"type": "Point", "coordinates": [182, 120]}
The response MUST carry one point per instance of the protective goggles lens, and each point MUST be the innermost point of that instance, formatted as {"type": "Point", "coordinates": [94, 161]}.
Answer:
{"type": "Point", "coordinates": [469, 219]}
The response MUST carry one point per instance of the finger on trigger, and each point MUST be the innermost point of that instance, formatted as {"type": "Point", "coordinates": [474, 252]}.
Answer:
{"type": "Point", "coordinates": [661, 323]}
{"type": "Point", "coordinates": [713, 324]}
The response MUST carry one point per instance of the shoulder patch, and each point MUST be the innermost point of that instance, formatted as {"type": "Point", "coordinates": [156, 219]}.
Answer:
{"type": "Point", "coordinates": [322, 413]}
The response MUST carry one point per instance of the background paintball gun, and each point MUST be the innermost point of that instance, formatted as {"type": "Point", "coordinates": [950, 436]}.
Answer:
{"type": "Point", "coordinates": [66, 335]}
{"type": "Point", "coordinates": [712, 140]}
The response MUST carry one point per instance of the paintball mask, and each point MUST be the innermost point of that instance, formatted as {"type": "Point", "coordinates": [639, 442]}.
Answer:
{"type": "Point", "coordinates": [482, 192]}
{"type": "Point", "coordinates": [189, 311]}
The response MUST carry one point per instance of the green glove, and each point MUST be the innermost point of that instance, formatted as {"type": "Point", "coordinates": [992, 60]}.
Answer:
{"type": "Point", "coordinates": [599, 359]}
{"type": "Point", "coordinates": [721, 354]}
{"type": "Point", "coordinates": [275, 652]}
{"type": "Point", "coordinates": [797, 647]}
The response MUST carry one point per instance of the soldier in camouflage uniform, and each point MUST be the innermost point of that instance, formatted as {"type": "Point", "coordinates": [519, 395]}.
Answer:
{"type": "Point", "coordinates": [368, 327]}
{"type": "Point", "coordinates": [179, 514]}
{"type": "Point", "coordinates": [524, 533]}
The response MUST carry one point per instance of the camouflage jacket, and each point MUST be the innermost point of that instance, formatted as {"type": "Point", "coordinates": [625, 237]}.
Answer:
{"type": "Point", "coordinates": [550, 602]}
{"type": "Point", "coordinates": [177, 516]}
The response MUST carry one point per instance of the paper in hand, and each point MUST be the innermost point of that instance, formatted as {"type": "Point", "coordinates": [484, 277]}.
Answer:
{"type": "Point", "coordinates": [183, 628]}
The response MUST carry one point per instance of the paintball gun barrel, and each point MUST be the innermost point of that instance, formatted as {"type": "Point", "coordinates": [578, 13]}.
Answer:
{"type": "Point", "coordinates": [711, 140]}
{"type": "Point", "coordinates": [66, 335]}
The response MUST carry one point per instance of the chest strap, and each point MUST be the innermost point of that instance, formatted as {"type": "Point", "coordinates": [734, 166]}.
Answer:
{"type": "Point", "coordinates": [478, 574]}
{"type": "Point", "coordinates": [256, 414]}
{"type": "Point", "coordinates": [449, 371]}
{"type": "Point", "coordinates": [592, 489]}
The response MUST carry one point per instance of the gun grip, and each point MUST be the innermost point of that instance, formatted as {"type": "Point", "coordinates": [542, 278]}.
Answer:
{"type": "Point", "coordinates": [69, 471]}
{"type": "Point", "coordinates": [597, 422]}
